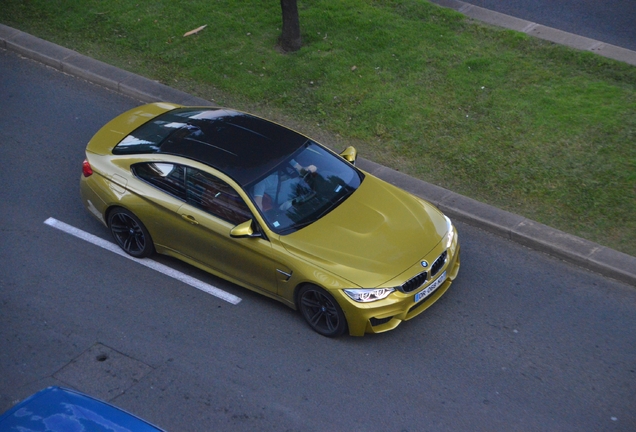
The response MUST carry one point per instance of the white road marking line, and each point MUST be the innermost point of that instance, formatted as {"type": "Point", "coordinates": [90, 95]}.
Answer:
{"type": "Point", "coordinates": [216, 292]}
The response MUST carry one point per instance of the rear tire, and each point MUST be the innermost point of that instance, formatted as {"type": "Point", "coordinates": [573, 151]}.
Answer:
{"type": "Point", "coordinates": [321, 311]}
{"type": "Point", "coordinates": [129, 233]}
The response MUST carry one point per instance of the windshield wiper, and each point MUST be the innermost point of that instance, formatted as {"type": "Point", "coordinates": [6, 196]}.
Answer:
{"type": "Point", "coordinates": [324, 212]}
{"type": "Point", "coordinates": [336, 203]}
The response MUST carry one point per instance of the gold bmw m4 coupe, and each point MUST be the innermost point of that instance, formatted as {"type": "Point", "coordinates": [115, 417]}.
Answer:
{"type": "Point", "coordinates": [271, 210]}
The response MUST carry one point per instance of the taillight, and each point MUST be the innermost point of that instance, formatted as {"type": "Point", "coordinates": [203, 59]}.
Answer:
{"type": "Point", "coordinates": [86, 169]}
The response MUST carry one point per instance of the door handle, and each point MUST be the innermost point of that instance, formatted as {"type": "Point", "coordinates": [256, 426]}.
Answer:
{"type": "Point", "coordinates": [190, 219]}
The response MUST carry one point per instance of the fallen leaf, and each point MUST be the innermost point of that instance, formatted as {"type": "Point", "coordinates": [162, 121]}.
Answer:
{"type": "Point", "coordinates": [196, 30]}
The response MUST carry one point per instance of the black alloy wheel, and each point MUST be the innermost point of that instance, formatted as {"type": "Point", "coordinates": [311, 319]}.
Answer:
{"type": "Point", "coordinates": [129, 233]}
{"type": "Point", "coordinates": [321, 311]}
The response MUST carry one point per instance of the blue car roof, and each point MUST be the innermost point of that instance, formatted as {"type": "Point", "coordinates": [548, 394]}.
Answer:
{"type": "Point", "coordinates": [57, 409]}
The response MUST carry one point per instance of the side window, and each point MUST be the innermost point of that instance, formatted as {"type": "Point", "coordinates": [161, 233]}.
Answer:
{"type": "Point", "coordinates": [216, 197]}
{"type": "Point", "coordinates": [168, 177]}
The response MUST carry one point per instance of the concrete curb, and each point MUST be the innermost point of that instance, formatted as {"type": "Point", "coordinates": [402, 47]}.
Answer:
{"type": "Point", "coordinates": [540, 31]}
{"type": "Point", "coordinates": [540, 237]}
{"type": "Point", "coordinates": [92, 70]}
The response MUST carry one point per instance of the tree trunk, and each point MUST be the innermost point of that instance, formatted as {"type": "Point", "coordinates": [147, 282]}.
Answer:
{"type": "Point", "coordinates": [290, 39]}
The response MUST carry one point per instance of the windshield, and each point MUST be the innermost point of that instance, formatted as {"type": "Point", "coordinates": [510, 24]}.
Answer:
{"type": "Point", "coordinates": [303, 188]}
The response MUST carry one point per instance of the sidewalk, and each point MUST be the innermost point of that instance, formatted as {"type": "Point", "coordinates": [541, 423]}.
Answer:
{"type": "Point", "coordinates": [540, 31]}
{"type": "Point", "coordinates": [517, 228]}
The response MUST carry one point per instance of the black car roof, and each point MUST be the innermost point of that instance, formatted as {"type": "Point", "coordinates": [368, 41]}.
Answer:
{"type": "Point", "coordinates": [241, 145]}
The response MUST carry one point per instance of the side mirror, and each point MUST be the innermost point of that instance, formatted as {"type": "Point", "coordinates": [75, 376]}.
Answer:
{"type": "Point", "coordinates": [350, 154]}
{"type": "Point", "coordinates": [244, 229]}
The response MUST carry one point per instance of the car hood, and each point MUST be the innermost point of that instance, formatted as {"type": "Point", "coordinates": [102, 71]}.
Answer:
{"type": "Point", "coordinates": [118, 128]}
{"type": "Point", "coordinates": [375, 235]}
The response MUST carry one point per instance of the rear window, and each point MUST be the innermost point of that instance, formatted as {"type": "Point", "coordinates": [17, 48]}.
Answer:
{"type": "Point", "coordinates": [148, 137]}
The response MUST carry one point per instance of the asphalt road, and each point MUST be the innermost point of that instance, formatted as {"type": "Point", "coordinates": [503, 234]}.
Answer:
{"type": "Point", "coordinates": [521, 341]}
{"type": "Point", "coordinates": [609, 21]}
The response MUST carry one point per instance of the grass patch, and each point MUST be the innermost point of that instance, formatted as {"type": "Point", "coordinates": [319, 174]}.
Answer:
{"type": "Point", "coordinates": [531, 127]}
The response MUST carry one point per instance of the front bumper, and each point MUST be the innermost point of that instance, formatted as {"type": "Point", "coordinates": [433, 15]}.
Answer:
{"type": "Point", "coordinates": [381, 316]}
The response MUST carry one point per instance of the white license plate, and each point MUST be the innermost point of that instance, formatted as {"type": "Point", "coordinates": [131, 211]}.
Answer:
{"type": "Point", "coordinates": [429, 289]}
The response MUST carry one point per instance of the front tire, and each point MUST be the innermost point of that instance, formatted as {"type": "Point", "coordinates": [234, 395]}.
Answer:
{"type": "Point", "coordinates": [129, 233]}
{"type": "Point", "coordinates": [321, 311]}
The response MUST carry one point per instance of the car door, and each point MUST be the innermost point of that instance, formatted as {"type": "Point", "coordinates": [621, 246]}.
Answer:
{"type": "Point", "coordinates": [212, 209]}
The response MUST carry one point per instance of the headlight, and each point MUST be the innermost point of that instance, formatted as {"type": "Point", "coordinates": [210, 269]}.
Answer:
{"type": "Point", "coordinates": [364, 295]}
{"type": "Point", "coordinates": [450, 232]}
